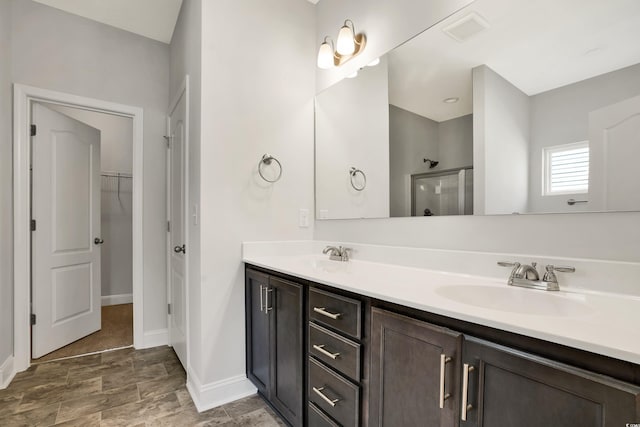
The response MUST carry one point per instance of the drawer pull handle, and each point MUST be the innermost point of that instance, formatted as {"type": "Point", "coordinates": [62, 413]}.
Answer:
{"type": "Point", "coordinates": [321, 349]}
{"type": "Point", "coordinates": [443, 362]}
{"type": "Point", "coordinates": [261, 298]}
{"type": "Point", "coordinates": [318, 391]}
{"type": "Point", "coordinates": [324, 312]}
{"type": "Point", "coordinates": [465, 391]}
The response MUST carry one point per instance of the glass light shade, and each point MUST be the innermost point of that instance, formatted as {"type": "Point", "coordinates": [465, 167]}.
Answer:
{"type": "Point", "coordinates": [325, 56]}
{"type": "Point", "coordinates": [353, 75]}
{"type": "Point", "coordinates": [374, 62]}
{"type": "Point", "coordinates": [346, 44]}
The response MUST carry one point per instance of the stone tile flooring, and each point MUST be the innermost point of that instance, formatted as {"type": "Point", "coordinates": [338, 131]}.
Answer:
{"type": "Point", "coordinates": [118, 388]}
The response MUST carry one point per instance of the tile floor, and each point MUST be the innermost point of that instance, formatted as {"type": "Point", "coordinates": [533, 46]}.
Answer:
{"type": "Point", "coordinates": [118, 388]}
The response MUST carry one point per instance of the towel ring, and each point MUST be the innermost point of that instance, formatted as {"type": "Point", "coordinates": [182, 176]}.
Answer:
{"type": "Point", "coordinates": [352, 173]}
{"type": "Point", "coordinates": [266, 160]}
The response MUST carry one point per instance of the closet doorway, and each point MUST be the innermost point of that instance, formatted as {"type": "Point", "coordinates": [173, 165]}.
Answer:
{"type": "Point", "coordinates": [82, 268]}
{"type": "Point", "coordinates": [78, 239]}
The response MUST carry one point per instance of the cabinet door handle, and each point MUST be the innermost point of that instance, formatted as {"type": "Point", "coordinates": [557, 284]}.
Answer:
{"type": "Point", "coordinates": [267, 307]}
{"type": "Point", "coordinates": [324, 312]}
{"type": "Point", "coordinates": [443, 362]}
{"type": "Point", "coordinates": [318, 391]}
{"type": "Point", "coordinates": [321, 349]}
{"type": "Point", "coordinates": [465, 390]}
{"type": "Point", "coordinates": [261, 298]}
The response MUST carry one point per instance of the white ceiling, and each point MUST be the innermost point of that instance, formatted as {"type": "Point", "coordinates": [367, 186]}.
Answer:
{"type": "Point", "coordinates": [536, 45]}
{"type": "Point", "coordinates": [154, 19]}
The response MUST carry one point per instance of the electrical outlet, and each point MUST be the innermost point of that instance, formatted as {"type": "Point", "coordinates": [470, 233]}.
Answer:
{"type": "Point", "coordinates": [303, 218]}
{"type": "Point", "coordinates": [324, 213]}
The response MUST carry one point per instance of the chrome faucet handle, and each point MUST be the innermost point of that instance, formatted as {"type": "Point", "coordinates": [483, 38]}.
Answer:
{"type": "Point", "coordinates": [508, 264]}
{"type": "Point", "coordinates": [345, 253]}
{"type": "Point", "coordinates": [515, 265]}
{"type": "Point", "coordinates": [332, 249]}
{"type": "Point", "coordinates": [550, 275]}
{"type": "Point", "coordinates": [335, 254]}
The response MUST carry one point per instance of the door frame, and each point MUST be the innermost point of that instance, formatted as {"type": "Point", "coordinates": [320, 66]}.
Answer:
{"type": "Point", "coordinates": [23, 97]}
{"type": "Point", "coordinates": [183, 90]}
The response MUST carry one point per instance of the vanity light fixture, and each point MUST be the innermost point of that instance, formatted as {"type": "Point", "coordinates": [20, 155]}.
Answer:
{"type": "Point", "coordinates": [353, 75]}
{"type": "Point", "coordinates": [374, 62]}
{"type": "Point", "coordinates": [348, 45]}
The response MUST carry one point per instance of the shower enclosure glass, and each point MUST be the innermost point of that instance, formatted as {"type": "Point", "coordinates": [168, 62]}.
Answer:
{"type": "Point", "coordinates": [447, 192]}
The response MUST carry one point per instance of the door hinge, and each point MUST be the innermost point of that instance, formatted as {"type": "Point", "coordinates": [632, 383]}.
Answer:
{"type": "Point", "coordinates": [168, 226]}
{"type": "Point", "coordinates": [33, 130]}
{"type": "Point", "coordinates": [169, 308]}
{"type": "Point", "coordinates": [33, 319]}
{"type": "Point", "coordinates": [33, 225]}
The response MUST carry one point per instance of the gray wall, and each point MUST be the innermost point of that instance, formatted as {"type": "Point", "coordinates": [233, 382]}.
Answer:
{"type": "Point", "coordinates": [186, 58]}
{"type": "Point", "coordinates": [614, 236]}
{"type": "Point", "coordinates": [501, 151]}
{"type": "Point", "coordinates": [413, 138]}
{"type": "Point", "coordinates": [561, 116]}
{"type": "Point", "coordinates": [455, 139]}
{"type": "Point", "coordinates": [6, 204]}
{"type": "Point", "coordinates": [352, 130]}
{"type": "Point", "coordinates": [63, 52]}
{"type": "Point", "coordinates": [257, 97]}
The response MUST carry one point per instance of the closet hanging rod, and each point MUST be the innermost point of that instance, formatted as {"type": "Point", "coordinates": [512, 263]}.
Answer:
{"type": "Point", "coordinates": [117, 174]}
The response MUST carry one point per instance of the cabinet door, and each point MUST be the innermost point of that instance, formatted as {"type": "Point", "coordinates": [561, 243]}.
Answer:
{"type": "Point", "coordinates": [257, 324]}
{"type": "Point", "coordinates": [511, 388]}
{"type": "Point", "coordinates": [406, 372]}
{"type": "Point", "coordinates": [284, 304]}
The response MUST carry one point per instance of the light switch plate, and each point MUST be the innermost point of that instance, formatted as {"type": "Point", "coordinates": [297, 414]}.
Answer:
{"type": "Point", "coordinates": [303, 218]}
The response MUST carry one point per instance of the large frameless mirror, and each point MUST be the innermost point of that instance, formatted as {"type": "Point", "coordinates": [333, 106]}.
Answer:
{"type": "Point", "coordinates": [507, 106]}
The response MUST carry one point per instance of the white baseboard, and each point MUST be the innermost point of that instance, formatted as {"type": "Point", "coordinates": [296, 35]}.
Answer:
{"type": "Point", "coordinates": [6, 372]}
{"type": "Point", "coordinates": [211, 395]}
{"type": "Point", "coordinates": [117, 299]}
{"type": "Point", "coordinates": [155, 338]}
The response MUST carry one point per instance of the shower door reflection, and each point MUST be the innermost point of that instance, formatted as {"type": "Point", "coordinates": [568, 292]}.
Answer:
{"type": "Point", "coordinates": [447, 192]}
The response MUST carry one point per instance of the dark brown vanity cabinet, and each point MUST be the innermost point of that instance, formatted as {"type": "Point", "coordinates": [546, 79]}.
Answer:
{"type": "Point", "coordinates": [511, 388]}
{"type": "Point", "coordinates": [415, 372]}
{"type": "Point", "coordinates": [275, 345]}
{"type": "Point", "coordinates": [334, 386]}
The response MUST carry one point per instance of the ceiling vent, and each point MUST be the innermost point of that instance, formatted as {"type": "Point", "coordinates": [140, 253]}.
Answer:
{"type": "Point", "coordinates": [466, 27]}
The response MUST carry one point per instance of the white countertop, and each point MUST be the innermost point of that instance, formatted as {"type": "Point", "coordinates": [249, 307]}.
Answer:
{"type": "Point", "coordinates": [603, 323]}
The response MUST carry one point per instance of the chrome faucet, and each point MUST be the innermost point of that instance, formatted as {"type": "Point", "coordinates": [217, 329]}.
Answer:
{"type": "Point", "coordinates": [526, 276]}
{"type": "Point", "coordinates": [337, 254]}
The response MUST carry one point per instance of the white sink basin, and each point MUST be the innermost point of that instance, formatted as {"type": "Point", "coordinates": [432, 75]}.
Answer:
{"type": "Point", "coordinates": [517, 300]}
{"type": "Point", "coordinates": [328, 265]}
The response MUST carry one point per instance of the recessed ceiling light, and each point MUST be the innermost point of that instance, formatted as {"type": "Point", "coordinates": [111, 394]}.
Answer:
{"type": "Point", "coordinates": [450, 100]}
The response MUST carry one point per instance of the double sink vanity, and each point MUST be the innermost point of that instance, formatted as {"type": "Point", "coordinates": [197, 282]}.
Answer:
{"type": "Point", "coordinates": [332, 342]}
{"type": "Point", "coordinates": [499, 108]}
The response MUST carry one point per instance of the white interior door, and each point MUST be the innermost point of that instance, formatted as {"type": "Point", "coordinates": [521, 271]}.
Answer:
{"type": "Point", "coordinates": [65, 252]}
{"type": "Point", "coordinates": [614, 146]}
{"type": "Point", "coordinates": [177, 290]}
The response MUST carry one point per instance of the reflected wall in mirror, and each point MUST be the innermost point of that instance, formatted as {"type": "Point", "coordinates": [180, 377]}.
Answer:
{"type": "Point", "coordinates": [507, 106]}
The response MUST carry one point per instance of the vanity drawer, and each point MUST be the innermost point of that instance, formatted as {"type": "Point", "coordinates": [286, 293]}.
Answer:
{"type": "Point", "coordinates": [317, 418]}
{"type": "Point", "coordinates": [335, 311]}
{"type": "Point", "coordinates": [335, 395]}
{"type": "Point", "coordinates": [335, 351]}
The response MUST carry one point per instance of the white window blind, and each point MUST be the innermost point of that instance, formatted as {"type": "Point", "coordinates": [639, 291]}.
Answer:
{"type": "Point", "coordinates": [566, 169]}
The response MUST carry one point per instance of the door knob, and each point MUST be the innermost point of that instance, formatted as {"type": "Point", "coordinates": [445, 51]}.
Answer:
{"type": "Point", "coordinates": [98, 241]}
{"type": "Point", "coordinates": [179, 249]}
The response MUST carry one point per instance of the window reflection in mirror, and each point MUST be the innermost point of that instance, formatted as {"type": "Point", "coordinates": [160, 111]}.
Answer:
{"type": "Point", "coordinates": [490, 93]}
